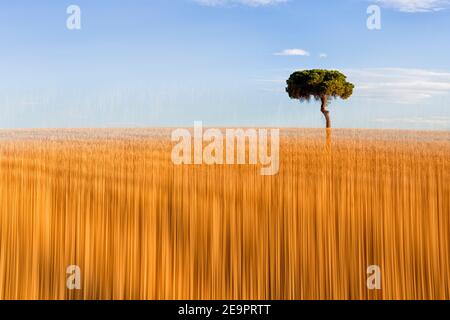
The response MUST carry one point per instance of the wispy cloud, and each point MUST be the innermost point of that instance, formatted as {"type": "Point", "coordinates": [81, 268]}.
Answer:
{"type": "Point", "coordinates": [292, 52]}
{"type": "Point", "coordinates": [401, 5]}
{"type": "Point", "coordinates": [435, 121]}
{"type": "Point", "coordinates": [390, 85]}
{"type": "Point", "coordinates": [323, 55]}
{"type": "Point", "coordinates": [399, 85]}
{"type": "Point", "coordinates": [252, 3]}
{"type": "Point", "coordinates": [413, 6]}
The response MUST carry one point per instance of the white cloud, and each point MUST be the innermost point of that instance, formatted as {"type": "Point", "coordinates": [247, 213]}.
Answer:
{"type": "Point", "coordinates": [252, 3]}
{"type": "Point", "coordinates": [401, 5]}
{"type": "Point", "coordinates": [323, 55]}
{"type": "Point", "coordinates": [399, 85]}
{"type": "Point", "coordinates": [415, 5]}
{"type": "Point", "coordinates": [385, 85]}
{"type": "Point", "coordinates": [292, 52]}
{"type": "Point", "coordinates": [435, 121]}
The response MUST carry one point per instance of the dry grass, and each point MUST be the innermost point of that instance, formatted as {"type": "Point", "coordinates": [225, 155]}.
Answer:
{"type": "Point", "coordinates": [141, 228]}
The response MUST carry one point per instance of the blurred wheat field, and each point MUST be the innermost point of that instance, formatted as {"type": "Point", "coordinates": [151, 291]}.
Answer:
{"type": "Point", "coordinates": [112, 202]}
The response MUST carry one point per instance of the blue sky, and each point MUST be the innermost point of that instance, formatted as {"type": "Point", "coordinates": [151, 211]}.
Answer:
{"type": "Point", "coordinates": [154, 63]}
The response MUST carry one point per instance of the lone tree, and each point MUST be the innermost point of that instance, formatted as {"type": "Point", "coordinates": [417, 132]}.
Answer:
{"type": "Point", "coordinates": [321, 85]}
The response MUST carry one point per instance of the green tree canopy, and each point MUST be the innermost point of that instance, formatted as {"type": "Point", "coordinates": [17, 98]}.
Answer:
{"type": "Point", "coordinates": [307, 84]}
{"type": "Point", "coordinates": [321, 85]}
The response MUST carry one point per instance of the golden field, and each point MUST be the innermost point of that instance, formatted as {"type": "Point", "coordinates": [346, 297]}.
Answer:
{"type": "Point", "coordinates": [112, 202]}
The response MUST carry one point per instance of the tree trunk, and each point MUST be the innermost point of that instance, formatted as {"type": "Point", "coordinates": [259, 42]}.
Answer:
{"type": "Point", "coordinates": [325, 112]}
